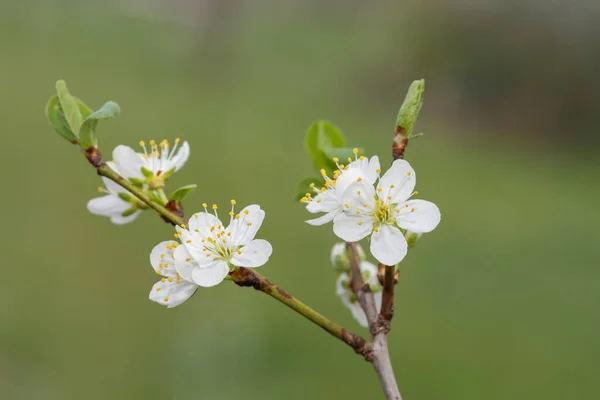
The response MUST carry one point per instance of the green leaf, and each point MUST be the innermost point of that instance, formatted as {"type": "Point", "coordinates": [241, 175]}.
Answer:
{"type": "Point", "coordinates": [58, 121]}
{"type": "Point", "coordinates": [83, 108]}
{"type": "Point", "coordinates": [167, 175]}
{"type": "Point", "coordinates": [69, 106]}
{"type": "Point", "coordinates": [411, 106]}
{"type": "Point", "coordinates": [304, 186]}
{"type": "Point", "coordinates": [146, 172]}
{"type": "Point", "coordinates": [181, 193]}
{"type": "Point", "coordinates": [87, 133]}
{"type": "Point", "coordinates": [414, 135]}
{"type": "Point", "coordinates": [322, 161]}
{"type": "Point", "coordinates": [323, 135]}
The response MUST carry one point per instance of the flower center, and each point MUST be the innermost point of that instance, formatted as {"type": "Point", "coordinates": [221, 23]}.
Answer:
{"type": "Point", "coordinates": [383, 213]}
{"type": "Point", "coordinates": [157, 157]}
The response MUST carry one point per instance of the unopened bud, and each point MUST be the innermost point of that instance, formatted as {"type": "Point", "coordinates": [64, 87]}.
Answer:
{"type": "Point", "coordinates": [341, 257]}
{"type": "Point", "coordinates": [412, 238]}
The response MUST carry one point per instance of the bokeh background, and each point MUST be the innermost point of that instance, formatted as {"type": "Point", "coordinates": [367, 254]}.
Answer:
{"type": "Point", "coordinates": [500, 302]}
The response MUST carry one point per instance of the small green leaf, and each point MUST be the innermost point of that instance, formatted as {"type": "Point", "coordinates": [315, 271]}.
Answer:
{"type": "Point", "coordinates": [83, 108]}
{"type": "Point", "coordinates": [322, 161]}
{"type": "Point", "coordinates": [69, 106]}
{"type": "Point", "coordinates": [137, 182]}
{"type": "Point", "coordinates": [304, 186]}
{"type": "Point", "coordinates": [146, 172]}
{"type": "Point", "coordinates": [167, 175]}
{"type": "Point", "coordinates": [411, 106]}
{"type": "Point", "coordinates": [87, 133]}
{"type": "Point", "coordinates": [414, 135]}
{"type": "Point", "coordinates": [125, 196]}
{"type": "Point", "coordinates": [323, 135]}
{"type": "Point", "coordinates": [181, 193]}
{"type": "Point", "coordinates": [129, 212]}
{"type": "Point", "coordinates": [58, 121]}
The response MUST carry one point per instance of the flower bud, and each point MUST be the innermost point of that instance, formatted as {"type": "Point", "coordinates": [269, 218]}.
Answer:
{"type": "Point", "coordinates": [341, 257]}
{"type": "Point", "coordinates": [412, 238]}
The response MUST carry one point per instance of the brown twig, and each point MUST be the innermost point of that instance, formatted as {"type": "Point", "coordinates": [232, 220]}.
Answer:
{"type": "Point", "coordinates": [361, 290]}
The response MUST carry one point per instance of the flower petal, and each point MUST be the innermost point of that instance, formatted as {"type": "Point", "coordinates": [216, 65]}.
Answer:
{"type": "Point", "coordinates": [203, 221]}
{"type": "Point", "coordinates": [244, 229]}
{"type": "Point", "coordinates": [368, 167]}
{"type": "Point", "coordinates": [181, 157]}
{"type": "Point", "coordinates": [161, 255]}
{"type": "Point", "coordinates": [254, 254]}
{"type": "Point", "coordinates": [352, 228]}
{"type": "Point", "coordinates": [425, 217]}
{"type": "Point", "coordinates": [323, 202]}
{"type": "Point", "coordinates": [210, 274]}
{"type": "Point", "coordinates": [359, 197]}
{"type": "Point", "coordinates": [107, 206]}
{"type": "Point", "coordinates": [398, 182]}
{"type": "Point", "coordinates": [324, 219]}
{"type": "Point", "coordinates": [171, 293]}
{"type": "Point", "coordinates": [128, 162]}
{"type": "Point", "coordinates": [121, 220]}
{"type": "Point", "coordinates": [183, 267]}
{"type": "Point", "coordinates": [347, 178]}
{"type": "Point", "coordinates": [388, 245]}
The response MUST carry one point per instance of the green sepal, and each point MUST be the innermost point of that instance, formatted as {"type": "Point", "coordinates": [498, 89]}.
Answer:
{"type": "Point", "coordinates": [125, 196]}
{"type": "Point", "coordinates": [139, 183]}
{"type": "Point", "coordinates": [411, 106]}
{"type": "Point", "coordinates": [181, 193]}
{"type": "Point", "coordinates": [69, 106]}
{"type": "Point", "coordinates": [87, 133]}
{"type": "Point", "coordinates": [146, 172]}
{"type": "Point", "coordinates": [167, 175]}
{"type": "Point", "coordinates": [323, 135]}
{"type": "Point", "coordinates": [57, 120]}
{"type": "Point", "coordinates": [155, 198]}
{"type": "Point", "coordinates": [304, 186]}
{"type": "Point", "coordinates": [129, 212]}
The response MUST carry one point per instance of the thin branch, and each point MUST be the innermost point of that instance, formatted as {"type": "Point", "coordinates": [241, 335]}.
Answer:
{"type": "Point", "coordinates": [361, 290]}
{"type": "Point", "coordinates": [247, 277]}
{"type": "Point", "coordinates": [387, 299]}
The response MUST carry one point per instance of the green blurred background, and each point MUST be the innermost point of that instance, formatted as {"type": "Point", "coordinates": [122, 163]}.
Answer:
{"type": "Point", "coordinates": [499, 302]}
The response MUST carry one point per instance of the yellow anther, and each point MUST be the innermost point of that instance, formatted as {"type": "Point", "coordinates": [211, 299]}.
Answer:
{"type": "Point", "coordinates": [346, 205]}
{"type": "Point", "coordinates": [233, 202]}
{"type": "Point", "coordinates": [389, 197]}
{"type": "Point", "coordinates": [361, 158]}
{"type": "Point", "coordinates": [188, 241]}
{"type": "Point", "coordinates": [358, 212]}
{"type": "Point", "coordinates": [335, 159]}
{"type": "Point", "coordinates": [246, 211]}
{"type": "Point", "coordinates": [237, 216]}
{"type": "Point", "coordinates": [412, 210]}
{"type": "Point", "coordinates": [358, 192]}
{"type": "Point", "coordinates": [312, 185]}
{"type": "Point", "coordinates": [163, 280]}
{"type": "Point", "coordinates": [162, 256]}
{"type": "Point", "coordinates": [364, 205]}
{"type": "Point", "coordinates": [349, 160]}
{"type": "Point", "coordinates": [392, 186]}
{"type": "Point", "coordinates": [406, 205]}
{"type": "Point", "coordinates": [394, 220]}
{"type": "Point", "coordinates": [158, 272]}
{"type": "Point", "coordinates": [323, 172]}
{"type": "Point", "coordinates": [239, 252]}
{"type": "Point", "coordinates": [212, 228]}
{"type": "Point", "coordinates": [208, 255]}
{"type": "Point", "coordinates": [360, 223]}
{"type": "Point", "coordinates": [183, 226]}
{"type": "Point", "coordinates": [249, 223]}
{"type": "Point", "coordinates": [176, 236]}
{"type": "Point", "coordinates": [341, 166]}
{"type": "Point", "coordinates": [204, 205]}
{"type": "Point", "coordinates": [166, 299]}
{"type": "Point", "coordinates": [231, 213]}
{"type": "Point", "coordinates": [359, 179]}
{"type": "Point", "coordinates": [158, 289]}
{"type": "Point", "coordinates": [196, 230]}
{"type": "Point", "coordinates": [415, 193]}
{"type": "Point", "coordinates": [302, 200]}
{"type": "Point", "coordinates": [228, 233]}
{"type": "Point", "coordinates": [214, 207]}
{"type": "Point", "coordinates": [318, 201]}
{"type": "Point", "coordinates": [378, 170]}
{"type": "Point", "coordinates": [379, 189]}
{"type": "Point", "coordinates": [177, 140]}
{"type": "Point", "coordinates": [408, 173]}
{"type": "Point", "coordinates": [142, 143]}
{"type": "Point", "coordinates": [306, 195]}
{"type": "Point", "coordinates": [196, 215]}
{"type": "Point", "coordinates": [152, 143]}
{"type": "Point", "coordinates": [355, 151]}
{"type": "Point", "coordinates": [376, 229]}
{"type": "Point", "coordinates": [187, 259]}
{"type": "Point", "coordinates": [100, 189]}
{"type": "Point", "coordinates": [170, 279]}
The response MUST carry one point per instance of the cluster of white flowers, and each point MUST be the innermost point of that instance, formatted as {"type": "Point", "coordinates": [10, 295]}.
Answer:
{"type": "Point", "coordinates": [362, 203]}
{"type": "Point", "coordinates": [206, 252]}
{"type": "Point", "coordinates": [340, 260]}
{"type": "Point", "coordinates": [149, 169]}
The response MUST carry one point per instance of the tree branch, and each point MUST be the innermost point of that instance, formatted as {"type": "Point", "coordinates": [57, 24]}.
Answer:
{"type": "Point", "coordinates": [387, 299]}
{"type": "Point", "coordinates": [246, 277]}
{"type": "Point", "coordinates": [380, 357]}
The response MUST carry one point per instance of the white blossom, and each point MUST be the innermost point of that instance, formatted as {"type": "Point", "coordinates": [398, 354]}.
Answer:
{"type": "Point", "coordinates": [345, 293]}
{"type": "Point", "coordinates": [117, 203]}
